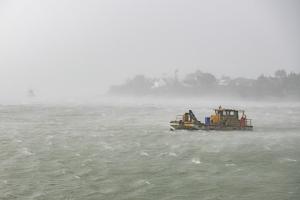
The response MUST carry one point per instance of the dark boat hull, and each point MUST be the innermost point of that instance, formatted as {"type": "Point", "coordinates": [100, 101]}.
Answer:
{"type": "Point", "coordinates": [177, 125]}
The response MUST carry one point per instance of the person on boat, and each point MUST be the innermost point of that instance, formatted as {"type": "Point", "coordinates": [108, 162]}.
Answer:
{"type": "Point", "coordinates": [243, 121]}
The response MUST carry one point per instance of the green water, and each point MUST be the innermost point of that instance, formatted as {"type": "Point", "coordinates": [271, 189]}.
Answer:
{"type": "Point", "coordinates": [114, 152]}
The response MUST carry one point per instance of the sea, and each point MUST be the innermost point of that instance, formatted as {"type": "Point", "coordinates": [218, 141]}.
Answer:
{"type": "Point", "coordinates": [126, 152]}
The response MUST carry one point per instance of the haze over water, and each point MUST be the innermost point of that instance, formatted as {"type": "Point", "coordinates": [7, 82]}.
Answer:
{"type": "Point", "coordinates": [127, 152]}
{"type": "Point", "coordinates": [73, 48]}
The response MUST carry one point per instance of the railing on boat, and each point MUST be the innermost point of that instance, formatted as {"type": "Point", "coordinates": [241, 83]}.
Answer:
{"type": "Point", "coordinates": [179, 117]}
{"type": "Point", "coordinates": [248, 122]}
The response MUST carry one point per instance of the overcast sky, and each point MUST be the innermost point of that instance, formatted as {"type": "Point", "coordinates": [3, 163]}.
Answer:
{"type": "Point", "coordinates": [69, 47]}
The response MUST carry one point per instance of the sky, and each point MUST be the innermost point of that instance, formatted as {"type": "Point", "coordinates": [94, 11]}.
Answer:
{"type": "Point", "coordinates": [73, 48]}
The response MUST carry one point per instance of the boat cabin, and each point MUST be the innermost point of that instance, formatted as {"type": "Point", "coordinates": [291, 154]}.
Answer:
{"type": "Point", "coordinates": [227, 113]}
{"type": "Point", "coordinates": [227, 117]}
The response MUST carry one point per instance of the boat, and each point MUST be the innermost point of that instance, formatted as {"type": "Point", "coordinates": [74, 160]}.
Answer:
{"type": "Point", "coordinates": [223, 119]}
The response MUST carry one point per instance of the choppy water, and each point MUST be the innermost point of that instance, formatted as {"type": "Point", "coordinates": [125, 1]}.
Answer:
{"type": "Point", "coordinates": [114, 152]}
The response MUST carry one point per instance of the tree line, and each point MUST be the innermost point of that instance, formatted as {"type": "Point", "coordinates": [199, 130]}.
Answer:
{"type": "Point", "coordinates": [200, 84]}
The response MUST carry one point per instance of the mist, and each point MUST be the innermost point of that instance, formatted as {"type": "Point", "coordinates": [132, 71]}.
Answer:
{"type": "Point", "coordinates": [73, 50]}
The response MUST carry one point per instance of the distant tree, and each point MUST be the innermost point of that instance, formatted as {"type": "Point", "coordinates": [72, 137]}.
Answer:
{"type": "Point", "coordinates": [137, 85]}
{"type": "Point", "coordinates": [280, 74]}
{"type": "Point", "coordinates": [281, 85]}
{"type": "Point", "coordinates": [200, 80]}
{"type": "Point", "coordinates": [292, 84]}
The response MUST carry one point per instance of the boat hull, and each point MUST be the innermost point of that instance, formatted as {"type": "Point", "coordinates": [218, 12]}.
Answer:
{"type": "Point", "coordinates": [177, 125]}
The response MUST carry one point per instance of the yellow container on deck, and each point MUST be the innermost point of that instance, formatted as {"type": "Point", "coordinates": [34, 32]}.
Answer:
{"type": "Point", "coordinates": [215, 119]}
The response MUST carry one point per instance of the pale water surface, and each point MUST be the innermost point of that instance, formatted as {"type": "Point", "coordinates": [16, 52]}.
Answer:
{"type": "Point", "coordinates": [128, 152]}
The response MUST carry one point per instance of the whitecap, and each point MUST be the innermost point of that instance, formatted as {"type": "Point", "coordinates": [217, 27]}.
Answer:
{"type": "Point", "coordinates": [196, 161]}
{"type": "Point", "coordinates": [147, 182]}
{"type": "Point", "coordinates": [77, 177]}
{"type": "Point", "coordinates": [144, 153]}
{"type": "Point", "coordinates": [49, 137]}
{"type": "Point", "coordinates": [26, 152]}
{"type": "Point", "coordinates": [141, 183]}
{"type": "Point", "coordinates": [172, 154]}
{"type": "Point", "coordinates": [283, 160]}
{"type": "Point", "coordinates": [290, 160]}
{"type": "Point", "coordinates": [230, 164]}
